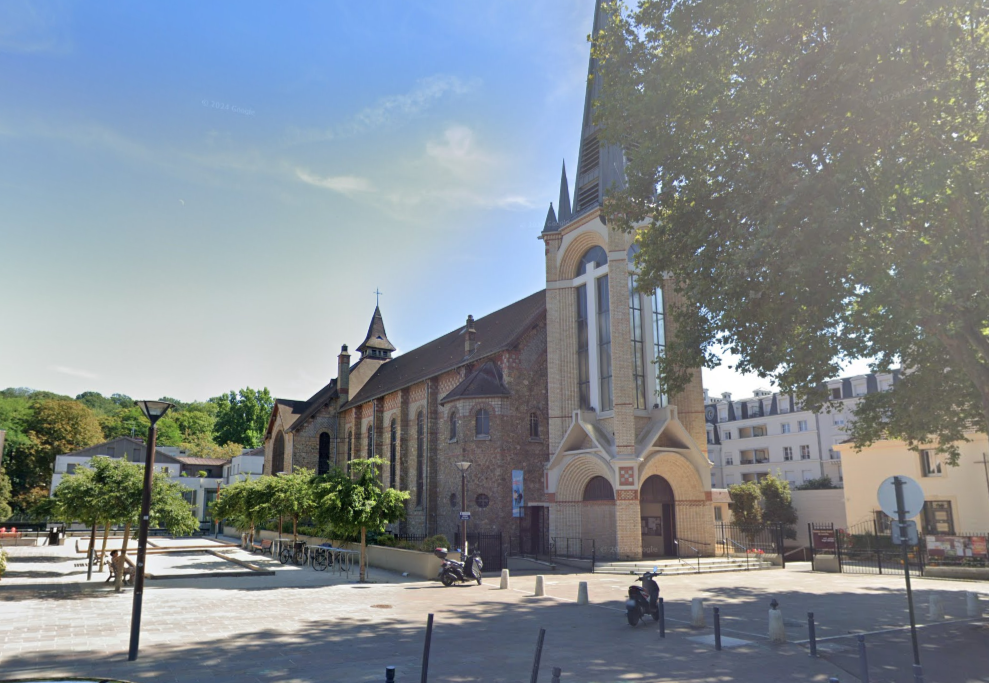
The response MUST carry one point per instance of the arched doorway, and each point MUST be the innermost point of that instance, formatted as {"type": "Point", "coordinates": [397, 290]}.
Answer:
{"type": "Point", "coordinates": [658, 512]}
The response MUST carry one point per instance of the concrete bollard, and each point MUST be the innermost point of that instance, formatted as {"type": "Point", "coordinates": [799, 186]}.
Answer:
{"type": "Point", "coordinates": [972, 606]}
{"type": "Point", "coordinates": [504, 580]}
{"type": "Point", "coordinates": [557, 672]}
{"type": "Point", "coordinates": [582, 593]}
{"type": "Point", "coordinates": [935, 608]}
{"type": "Point", "coordinates": [777, 632]}
{"type": "Point", "coordinates": [540, 590]}
{"type": "Point", "coordinates": [697, 613]}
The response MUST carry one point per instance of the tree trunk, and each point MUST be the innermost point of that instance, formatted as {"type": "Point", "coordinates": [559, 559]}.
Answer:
{"type": "Point", "coordinates": [92, 552]}
{"type": "Point", "coordinates": [118, 584]}
{"type": "Point", "coordinates": [295, 529]}
{"type": "Point", "coordinates": [363, 554]}
{"type": "Point", "coordinates": [106, 535]}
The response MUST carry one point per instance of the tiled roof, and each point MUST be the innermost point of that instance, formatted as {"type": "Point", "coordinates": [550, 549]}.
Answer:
{"type": "Point", "coordinates": [495, 332]}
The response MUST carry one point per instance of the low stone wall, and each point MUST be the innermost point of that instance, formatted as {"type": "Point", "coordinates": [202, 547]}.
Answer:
{"type": "Point", "coordinates": [971, 573]}
{"type": "Point", "coordinates": [412, 562]}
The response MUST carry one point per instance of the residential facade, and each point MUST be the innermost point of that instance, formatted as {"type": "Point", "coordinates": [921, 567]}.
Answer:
{"type": "Point", "coordinates": [956, 496]}
{"type": "Point", "coordinates": [770, 433]}
{"type": "Point", "coordinates": [200, 478]}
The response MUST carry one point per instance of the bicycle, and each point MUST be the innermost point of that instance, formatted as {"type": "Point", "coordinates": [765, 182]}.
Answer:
{"type": "Point", "coordinates": [321, 558]}
{"type": "Point", "coordinates": [296, 555]}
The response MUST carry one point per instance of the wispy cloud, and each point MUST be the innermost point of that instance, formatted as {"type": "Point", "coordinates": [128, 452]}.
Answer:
{"type": "Point", "coordinates": [390, 109]}
{"type": "Point", "coordinates": [33, 27]}
{"type": "Point", "coordinates": [344, 184]}
{"type": "Point", "coordinates": [72, 372]}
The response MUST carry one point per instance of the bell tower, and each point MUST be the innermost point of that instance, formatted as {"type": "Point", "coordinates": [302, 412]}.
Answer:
{"type": "Point", "coordinates": [610, 417]}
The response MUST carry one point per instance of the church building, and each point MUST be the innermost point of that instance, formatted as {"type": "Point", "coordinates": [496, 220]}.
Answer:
{"type": "Point", "coordinates": [560, 387]}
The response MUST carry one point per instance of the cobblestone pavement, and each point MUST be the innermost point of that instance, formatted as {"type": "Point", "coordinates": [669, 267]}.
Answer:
{"type": "Point", "coordinates": [278, 629]}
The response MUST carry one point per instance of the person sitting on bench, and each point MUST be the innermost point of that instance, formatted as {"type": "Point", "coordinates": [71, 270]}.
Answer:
{"type": "Point", "coordinates": [118, 565]}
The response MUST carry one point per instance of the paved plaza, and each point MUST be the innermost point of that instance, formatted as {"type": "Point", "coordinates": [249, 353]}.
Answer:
{"type": "Point", "coordinates": [300, 625]}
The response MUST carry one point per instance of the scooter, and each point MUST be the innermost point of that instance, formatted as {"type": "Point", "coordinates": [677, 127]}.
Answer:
{"type": "Point", "coordinates": [643, 600]}
{"type": "Point", "coordinates": [452, 572]}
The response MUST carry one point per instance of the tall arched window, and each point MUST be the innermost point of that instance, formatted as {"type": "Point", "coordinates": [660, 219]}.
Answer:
{"type": "Point", "coordinates": [658, 340]}
{"type": "Point", "coordinates": [370, 441]}
{"type": "Point", "coordinates": [323, 465]}
{"type": "Point", "coordinates": [638, 337]}
{"type": "Point", "coordinates": [533, 425]}
{"type": "Point", "coordinates": [420, 454]}
{"type": "Point", "coordinates": [393, 455]}
{"type": "Point", "coordinates": [350, 445]}
{"type": "Point", "coordinates": [482, 424]}
{"type": "Point", "coordinates": [453, 425]}
{"type": "Point", "coordinates": [593, 318]}
{"type": "Point", "coordinates": [278, 454]}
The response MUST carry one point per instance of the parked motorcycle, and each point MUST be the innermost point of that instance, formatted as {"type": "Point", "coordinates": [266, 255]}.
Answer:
{"type": "Point", "coordinates": [643, 600]}
{"type": "Point", "coordinates": [452, 572]}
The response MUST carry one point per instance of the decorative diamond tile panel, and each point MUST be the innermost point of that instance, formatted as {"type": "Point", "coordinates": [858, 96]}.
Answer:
{"type": "Point", "coordinates": [626, 476]}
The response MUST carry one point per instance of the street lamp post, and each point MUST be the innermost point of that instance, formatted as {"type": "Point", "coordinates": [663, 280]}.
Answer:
{"type": "Point", "coordinates": [154, 411]}
{"type": "Point", "coordinates": [463, 467]}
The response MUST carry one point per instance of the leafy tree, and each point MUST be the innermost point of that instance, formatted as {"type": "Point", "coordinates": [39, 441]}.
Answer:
{"type": "Point", "coordinates": [816, 484]}
{"type": "Point", "coordinates": [294, 496]}
{"type": "Point", "coordinates": [196, 420]}
{"type": "Point", "coordinates": [5, 496]}
{"type": "Point", "coordinates": [202, 446]}
{"type": "Point", "coordinates": [358, 502]}
{"type": "Point", "coordinates": [98, 403]}
{"type": "Point", "coordinates": [54, 427]}
{"type": "Point", "coordinates": [246, 503]}
{"type": "Point", "coordinates": [745, 509]}
{"type": "Point", "coordinates": [242, 416]}
{"type": "Point", "coordinates": [812, 177]}
{"type": "Point", "coordinates": [777, 504]}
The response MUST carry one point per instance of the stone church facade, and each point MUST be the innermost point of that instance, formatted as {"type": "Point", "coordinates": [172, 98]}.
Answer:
{"type": "Point", "coordinates": [560, 385]}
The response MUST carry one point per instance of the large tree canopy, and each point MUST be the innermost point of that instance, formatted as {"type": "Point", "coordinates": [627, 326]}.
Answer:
{"type": "Point", "coordinates": [812, 176]}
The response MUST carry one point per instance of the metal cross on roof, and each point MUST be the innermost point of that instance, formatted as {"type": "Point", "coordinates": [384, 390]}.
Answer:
{"type": "Point", "coordinates": [377, 296]}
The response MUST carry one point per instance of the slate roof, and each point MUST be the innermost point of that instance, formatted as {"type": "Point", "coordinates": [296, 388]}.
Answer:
{"type": "Point", "coordinates": [315, 402]}
{"type": "Point", "coordinates": [495, 332]}
{"type": "Point", "coordinates": [138, 442]}
{"type": "Point", "coordinates": [485, 382]}
{"type": "Point", "coordinates": [376, 337]}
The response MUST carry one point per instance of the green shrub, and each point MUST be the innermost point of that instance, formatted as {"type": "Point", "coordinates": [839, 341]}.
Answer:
{"type": "Point", "coordinates": [3, 561]}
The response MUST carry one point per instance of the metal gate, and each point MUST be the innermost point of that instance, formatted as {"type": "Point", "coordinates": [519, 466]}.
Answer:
{"type": "Point", "coordinates": [490, 546]}
{"type": "Point", "coordinates": [868, 549]}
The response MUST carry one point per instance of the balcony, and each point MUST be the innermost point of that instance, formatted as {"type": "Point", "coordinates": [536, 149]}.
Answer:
{"type": "Point", "coordinates": [753, 457]}
{"type": "Point", "coordinates": [752, 432]}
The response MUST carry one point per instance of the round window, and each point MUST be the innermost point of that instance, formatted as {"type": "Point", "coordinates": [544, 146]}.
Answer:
{"type": "Point", "coordinates": [482, 501]}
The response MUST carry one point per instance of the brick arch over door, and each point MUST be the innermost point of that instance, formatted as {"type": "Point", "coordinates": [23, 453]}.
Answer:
{"type": "Point", "coordinates": [576, 250]}
{"type": "Point", "coordinates": [694, 511]}
{"type": "Point", "coordinates": [573, 517]}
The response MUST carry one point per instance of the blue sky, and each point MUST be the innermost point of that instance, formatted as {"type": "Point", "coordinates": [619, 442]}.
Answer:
{"type": "Point", "coordinates": [196, 197]}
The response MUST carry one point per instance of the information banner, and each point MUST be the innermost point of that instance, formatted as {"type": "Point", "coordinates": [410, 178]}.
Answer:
{"type": "Point", "coordinates": [518, 495]}
{"type": "Point", "coordinates": [957, 546]}
{"type": "Point", "coordinates": [824, 539]}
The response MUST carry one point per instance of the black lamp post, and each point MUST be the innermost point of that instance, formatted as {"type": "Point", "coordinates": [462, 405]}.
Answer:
{"type": "Point", "coordinates": [154, 411]}
{"type": "Point", "coordinates": [463, 467]}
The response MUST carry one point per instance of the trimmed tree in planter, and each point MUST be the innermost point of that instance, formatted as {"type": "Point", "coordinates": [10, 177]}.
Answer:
{"type": "Point", "coordinates": [356, 503]}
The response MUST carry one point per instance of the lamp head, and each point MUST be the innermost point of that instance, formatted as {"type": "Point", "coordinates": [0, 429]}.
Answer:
{"type": "Point", "coordinates": [154, 410]}
{"type": "Point", "coordinates": [463, 466]}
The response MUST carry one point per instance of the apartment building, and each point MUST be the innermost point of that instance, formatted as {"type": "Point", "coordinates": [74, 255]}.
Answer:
{"type": "Point", "coordinates": [770, 433]}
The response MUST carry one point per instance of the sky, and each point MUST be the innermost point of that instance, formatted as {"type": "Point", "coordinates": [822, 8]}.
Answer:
{"type": "Point", "coordinates": [198, 197]}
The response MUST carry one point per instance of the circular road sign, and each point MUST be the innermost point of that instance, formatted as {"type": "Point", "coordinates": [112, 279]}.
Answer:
{"type": "Point", "coordinates": [913, 497]}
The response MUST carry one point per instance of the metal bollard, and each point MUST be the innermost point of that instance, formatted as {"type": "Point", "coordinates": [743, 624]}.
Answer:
{"type": "Point", "coordinates": [918, 674]}
{"type": "Point", "coordinates": [662, 619]}
{"type": "Point", "coordinates": [813, 634]}
{"type": "Point", "coordinates": [425, 649]}
{"type": "Point", "coordinates": [557, 672]}
{"type": "Point", "coordinates": [863, 661]}
{"type": "Point", "coordinates": [717, 629]}
{"type": "Point", "coordinates": [389, 674]}
{"type": "Point", "coordinates": [539, 656]}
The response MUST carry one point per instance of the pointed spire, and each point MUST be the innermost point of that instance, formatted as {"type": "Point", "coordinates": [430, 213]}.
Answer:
{"type": "Point", "coordinates": [551, 224]}
{"type": "Point", "coordinates": [376, 344]}
{"type": "Point", "coordinates": [564, 216]}
{"type": "Point", "coordinates": [599, 167]}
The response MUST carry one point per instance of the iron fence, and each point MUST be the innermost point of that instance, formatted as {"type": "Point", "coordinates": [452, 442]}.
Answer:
{"type": "Point", "coordinates": [490, 547]}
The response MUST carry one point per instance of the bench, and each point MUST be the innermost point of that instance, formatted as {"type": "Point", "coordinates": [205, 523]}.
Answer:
{"type": "Point", "coordinates": [128, 573]}
{"type": "Point", "coordinates": [263, 546]}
